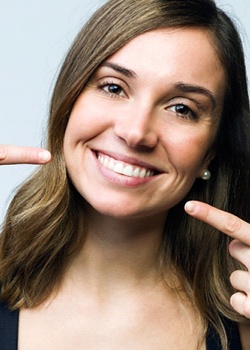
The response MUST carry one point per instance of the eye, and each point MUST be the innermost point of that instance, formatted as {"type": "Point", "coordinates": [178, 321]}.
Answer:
{"type": "Point", "coordinates": [112, 89]}
{"type": "Point", "coordinates": [184, 111]}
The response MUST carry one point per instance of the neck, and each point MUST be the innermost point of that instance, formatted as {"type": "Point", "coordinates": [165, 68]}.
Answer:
{"type": "Point", "coordinates": [119, 251]}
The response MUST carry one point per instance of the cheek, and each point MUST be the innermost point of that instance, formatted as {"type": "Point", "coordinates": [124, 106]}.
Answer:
{"type": "Point", "coordinates": [86, 121]}
{"type": "Point", "coordinates": [187, 150]}
{"type": "Point", "coordinates": [77, 131]}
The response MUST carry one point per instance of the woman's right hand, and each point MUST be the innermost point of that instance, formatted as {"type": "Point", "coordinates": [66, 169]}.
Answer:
{"type": "Point", "coordinates": [23, 155]}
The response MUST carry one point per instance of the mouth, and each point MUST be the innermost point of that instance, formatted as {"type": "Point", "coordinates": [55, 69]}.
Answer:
{"type": "Point", "coordinates": [126, 169]}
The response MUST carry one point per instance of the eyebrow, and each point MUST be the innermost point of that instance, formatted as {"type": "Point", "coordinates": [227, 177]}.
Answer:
{"type": "Point", "coordinates": [188, 88]}
{"type": "Point", "coordinates": [116, 67]}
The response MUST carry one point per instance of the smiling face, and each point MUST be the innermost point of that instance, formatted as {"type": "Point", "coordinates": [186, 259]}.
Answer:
{"type": "Point", "coordinates": [143, 128]}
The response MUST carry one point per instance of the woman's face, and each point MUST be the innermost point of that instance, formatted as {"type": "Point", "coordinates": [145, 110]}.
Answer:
{"type": "Point", "coordinates": [143, 128]}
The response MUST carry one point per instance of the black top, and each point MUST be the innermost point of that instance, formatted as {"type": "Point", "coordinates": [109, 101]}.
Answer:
{"type": "Point", "coordinates": [233, 336]}
{"type": "Point", "coordinates": [8, 327]}
{"type": "Point", "coordinates": [9, 332]}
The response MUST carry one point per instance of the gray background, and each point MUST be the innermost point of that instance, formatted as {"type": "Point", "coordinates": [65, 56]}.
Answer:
{"type": "Point", "coordinates": [34, 37]}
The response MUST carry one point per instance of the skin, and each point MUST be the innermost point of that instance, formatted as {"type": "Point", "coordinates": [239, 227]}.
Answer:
{"type": "Point", "coordinates": [23, 155]}
{"type": "Point", "coordinates": [114, 280]}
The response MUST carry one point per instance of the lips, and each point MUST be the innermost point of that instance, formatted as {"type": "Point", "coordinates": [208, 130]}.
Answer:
{"type": "Point", "coordinates": [126, 169]}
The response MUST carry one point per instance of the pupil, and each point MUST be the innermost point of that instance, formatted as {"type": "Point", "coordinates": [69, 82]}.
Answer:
{"type": "Point", "coordinates": [181, 109]}
{"type": "Point", "coordinates": [114, 89]}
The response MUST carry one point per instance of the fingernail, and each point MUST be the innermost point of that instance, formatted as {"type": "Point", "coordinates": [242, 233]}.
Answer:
{"type": "Point", "coordinates": [44, 156]}
{"type": "Point", "coordinates": [190, 207]}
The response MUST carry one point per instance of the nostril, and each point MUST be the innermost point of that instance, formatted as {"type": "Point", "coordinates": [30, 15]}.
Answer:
{"type": "Point", "coordinates": [140, 140]}
{"type": "Point", "coordinates": [137, 130]}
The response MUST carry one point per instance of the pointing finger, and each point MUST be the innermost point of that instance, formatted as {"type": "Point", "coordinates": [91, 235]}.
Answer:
{"type": "Point", "coordinates": [23, 155]}
{"type": "Point", "coordinates": [227, 223]}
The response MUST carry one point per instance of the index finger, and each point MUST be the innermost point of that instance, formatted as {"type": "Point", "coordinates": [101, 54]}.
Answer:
{"type": "Point", "coordinates": [225, 222]}
{"type": "Point", "coordinates": [23, 155]}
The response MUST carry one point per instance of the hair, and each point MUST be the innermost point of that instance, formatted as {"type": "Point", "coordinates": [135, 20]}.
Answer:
{"type": "Point", "coordinates": [41, 228]}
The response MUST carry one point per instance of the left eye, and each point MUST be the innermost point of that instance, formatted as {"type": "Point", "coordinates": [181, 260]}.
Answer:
{"type": "Point", "coordinates": [184, 111]}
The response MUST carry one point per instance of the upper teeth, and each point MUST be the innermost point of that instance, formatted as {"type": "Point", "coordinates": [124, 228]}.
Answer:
{"type": "Point", "coordinates": [123, 168]}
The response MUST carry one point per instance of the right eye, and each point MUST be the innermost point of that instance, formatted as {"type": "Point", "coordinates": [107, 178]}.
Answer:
{"type": "Point", "coordinates": [111, 89]}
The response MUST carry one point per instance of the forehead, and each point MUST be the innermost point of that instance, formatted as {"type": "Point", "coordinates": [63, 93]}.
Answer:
{"type": "Point", "coordinates": [182, 40]}
{"type": "Point", "coordinates": [186, 53]}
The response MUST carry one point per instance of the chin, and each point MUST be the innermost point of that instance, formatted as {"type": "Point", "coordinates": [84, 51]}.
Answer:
{"type": "Point", "coordinates": [123, 211]}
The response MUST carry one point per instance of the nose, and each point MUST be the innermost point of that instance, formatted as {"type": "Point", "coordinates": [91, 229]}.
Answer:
{"type": "Point", "coordinates": [137, 127]}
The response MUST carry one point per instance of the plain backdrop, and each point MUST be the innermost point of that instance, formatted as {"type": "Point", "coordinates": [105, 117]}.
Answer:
{"type": "Point", "coordinates": [34, 37]}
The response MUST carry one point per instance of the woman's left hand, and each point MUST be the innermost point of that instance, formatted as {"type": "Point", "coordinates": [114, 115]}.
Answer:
{"type": "Point", "coordinates": [239, 248]}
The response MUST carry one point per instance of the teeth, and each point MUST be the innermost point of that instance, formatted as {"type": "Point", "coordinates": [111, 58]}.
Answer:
{"type": "Point", "coordinates": [123, 168]}
{"type": "Point", "coordinates": [143, 173]}
{"type": "Point", "coordinates": [136, 172]}
{"type": "Point", "coordinates": [118, 168]}
{"type": "Point", "coordinates": [128, 170]}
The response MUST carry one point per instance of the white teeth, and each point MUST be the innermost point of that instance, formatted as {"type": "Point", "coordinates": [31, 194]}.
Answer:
{"type": "Point", "coordinates": [136, 172]}
{"type": "Point", "coordinates": [142, 173]}
{"type": "Point", "coordinates": [118, 168]}
{"type": "Point", "coordinates": [111, 165]}
{"type": "Point", "coordinates": [106, 162]}
{"type": "Point", "coordinates": [128, 170]}
{"type": "Point", "coordinates": [123, 168]}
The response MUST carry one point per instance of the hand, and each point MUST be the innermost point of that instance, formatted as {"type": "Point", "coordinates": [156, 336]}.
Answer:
{"type": "Point", "coordinates": [239, 248]}
{"type": "Point", "coordinates": [23, 155]}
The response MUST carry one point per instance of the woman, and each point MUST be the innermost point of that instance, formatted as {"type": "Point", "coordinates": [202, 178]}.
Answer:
{"type": "Point", "coordinates": [151, 95]}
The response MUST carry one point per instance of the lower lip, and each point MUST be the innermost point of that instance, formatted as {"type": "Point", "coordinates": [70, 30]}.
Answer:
{"type": "Point", "coordinates": [119, 179]}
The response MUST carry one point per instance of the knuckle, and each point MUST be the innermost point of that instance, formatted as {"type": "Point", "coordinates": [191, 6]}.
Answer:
{"type": "Point", "coordinates": [248, 287]}
{"type": "Point", "coordinates": [26, 156]}
{"type": "Point", "coordinates": [247, 284]}
{"type": "Point", "coordinates": [232, 224]}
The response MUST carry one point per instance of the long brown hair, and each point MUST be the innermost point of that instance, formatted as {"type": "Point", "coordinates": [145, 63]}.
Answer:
{"type": "Point", "coordinates": [41, 232]}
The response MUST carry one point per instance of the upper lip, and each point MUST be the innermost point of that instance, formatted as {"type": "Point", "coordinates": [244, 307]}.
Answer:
{"type": "Point", "coordinates": [129, 160]}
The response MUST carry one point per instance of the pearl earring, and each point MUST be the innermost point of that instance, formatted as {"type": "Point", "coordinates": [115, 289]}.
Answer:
{"type": "Point", "coordinates": [205, 174]}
